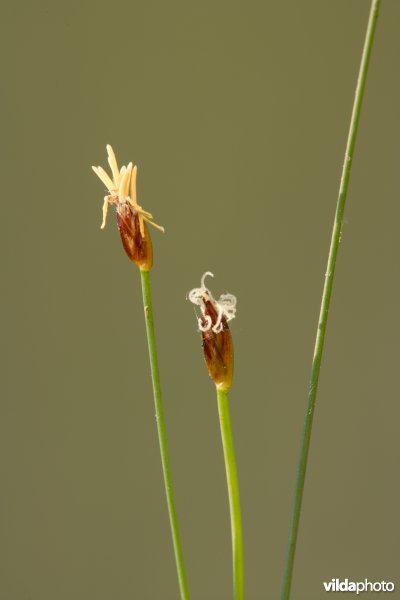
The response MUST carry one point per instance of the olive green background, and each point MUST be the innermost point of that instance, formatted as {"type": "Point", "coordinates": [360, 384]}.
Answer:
{"type": "Point", "coordinates": [236, 114]}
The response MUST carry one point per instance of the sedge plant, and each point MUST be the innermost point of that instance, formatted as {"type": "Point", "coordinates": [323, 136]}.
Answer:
{"type": "Point", "coordinates": [325, 303]}
{"type": "Point", "coordinates": [218, 354]}
{"type": "Point", "coordinates": [132, 224]}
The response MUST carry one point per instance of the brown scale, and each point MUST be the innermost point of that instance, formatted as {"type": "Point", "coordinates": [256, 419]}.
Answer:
{"type": "Point", "coordinates": [138, 248]}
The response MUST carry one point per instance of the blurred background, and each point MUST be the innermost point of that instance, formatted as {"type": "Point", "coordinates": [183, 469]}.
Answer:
{"type": "Point", "coordinates": [237, 115]}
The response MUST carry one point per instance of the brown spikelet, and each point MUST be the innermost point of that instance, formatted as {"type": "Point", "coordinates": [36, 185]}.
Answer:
{"type": "Point", "coordinates": [218, 350]}
{"type": "Point", "coordinates": [138, 248]}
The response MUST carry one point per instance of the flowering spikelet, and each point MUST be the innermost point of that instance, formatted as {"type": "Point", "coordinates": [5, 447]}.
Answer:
{"type": "Point", "coordinates": [131, 217]}
{"type": "Point", "coordinates": [217, 339]}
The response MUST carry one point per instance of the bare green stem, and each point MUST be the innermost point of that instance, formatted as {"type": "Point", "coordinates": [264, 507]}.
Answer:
{"type": "Point", "coordinates": [233, 493]}
{"type": "Point", "coordinates": [326, 297]}
{"type": "Point", "coordinates": [162, 436]}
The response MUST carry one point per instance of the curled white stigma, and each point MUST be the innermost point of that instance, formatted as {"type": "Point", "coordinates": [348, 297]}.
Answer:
{"type": "Point", "coordinates": [225, 305]}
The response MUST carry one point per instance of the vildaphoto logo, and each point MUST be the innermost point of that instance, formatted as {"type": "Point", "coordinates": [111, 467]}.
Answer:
{"type": "Point", "coordinates": [345, 585]}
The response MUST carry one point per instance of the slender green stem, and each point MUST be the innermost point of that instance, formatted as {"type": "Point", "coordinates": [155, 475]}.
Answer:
{"type": "Point", "coordinates": [326, 297]}
{"type": "Point", "coordinates": [162, 436]}
{"type": "Point", "coordinates": [233, 493]}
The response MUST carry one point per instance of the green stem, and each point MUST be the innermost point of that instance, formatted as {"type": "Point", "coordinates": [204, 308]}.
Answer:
{"type": "Point", "coordinates": [233, 493]}
{"type": "Point", "coordinates": [162, 436]}
{"type": "Point", "coordinates": [326, 297]}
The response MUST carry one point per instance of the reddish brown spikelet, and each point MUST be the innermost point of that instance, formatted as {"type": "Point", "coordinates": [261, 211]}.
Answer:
{"type": "Point", "coordinates": [218, 349]}
{"type": "Point", "coordinates": [138, 248]}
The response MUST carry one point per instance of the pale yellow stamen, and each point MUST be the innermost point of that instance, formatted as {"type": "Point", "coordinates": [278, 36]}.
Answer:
{"type": "Point", "coordinates": [133, 185]}
{"type": "Point", "coordinates": [100, 172]}
{"type": "Point", "coordinates": [141, 224]}
{"type": "Point", "coordinates": [121, 174]}
{"type": "Point", "coordinates": [140, 209]}
{"type": "Point", "coordinates": [112, 161]}
{"type": "Point", "coordinates": [132, 199]}
{"type": "Point", "coordinates": [124, 183]}
{"type": "Point", "coordinates": [154, 224]}
{"type": "Point", "coordinates": [105, 210]}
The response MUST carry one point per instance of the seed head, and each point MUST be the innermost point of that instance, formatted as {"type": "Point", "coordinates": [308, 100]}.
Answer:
{"type": "Point", "coordinates": [217, 339]}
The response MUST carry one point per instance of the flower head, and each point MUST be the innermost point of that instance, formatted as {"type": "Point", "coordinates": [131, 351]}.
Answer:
{"type": "Point", "coordinates": [213, 325]}
{"type": "Point", "coordinates": [131, 217]}
{"type": "Point", "coordinates": [224, 307]}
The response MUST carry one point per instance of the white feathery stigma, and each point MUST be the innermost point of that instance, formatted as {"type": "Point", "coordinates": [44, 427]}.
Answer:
{"type": "Point", "coordinates": [225, 306]}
